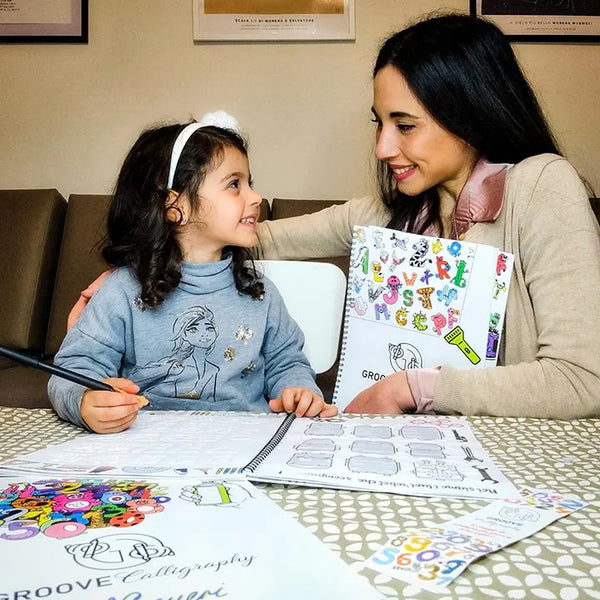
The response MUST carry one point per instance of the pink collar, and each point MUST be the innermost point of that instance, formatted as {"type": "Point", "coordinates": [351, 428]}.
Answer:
{"type": "Point", "coordinates": [482, 196]}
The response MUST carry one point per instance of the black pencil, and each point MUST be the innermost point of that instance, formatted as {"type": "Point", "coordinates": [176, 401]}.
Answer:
{"type": "Point", "coordinates": [88, 382]}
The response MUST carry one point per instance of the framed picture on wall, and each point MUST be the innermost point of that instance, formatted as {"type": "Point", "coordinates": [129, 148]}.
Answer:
{"type": "Point", "coordinates": [273, 20]}
{"type": "Point", "coordinates": [543, 20]}
{"type": "Point", "coordinates": [44, 22]}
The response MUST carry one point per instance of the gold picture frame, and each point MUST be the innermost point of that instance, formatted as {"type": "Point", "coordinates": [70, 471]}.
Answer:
{"type": "Point", "coordinates": [273, 20]}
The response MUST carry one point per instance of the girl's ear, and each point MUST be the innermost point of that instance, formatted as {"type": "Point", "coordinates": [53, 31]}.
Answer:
{"type": "Point", "coordinates": [173, 211]}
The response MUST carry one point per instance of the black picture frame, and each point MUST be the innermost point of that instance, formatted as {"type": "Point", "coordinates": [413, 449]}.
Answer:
{"type": "Point", "coordinates": [543, 20]}
{"type": "Point", "coordinates": [74, 31]}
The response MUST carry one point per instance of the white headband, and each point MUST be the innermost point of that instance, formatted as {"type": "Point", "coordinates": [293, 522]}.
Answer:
{"type": "Point", "coordinates": [217, 119]}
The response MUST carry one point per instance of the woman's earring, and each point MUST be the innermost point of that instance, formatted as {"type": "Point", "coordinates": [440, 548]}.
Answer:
{"type": "Point", "coordinates": [183, 220]}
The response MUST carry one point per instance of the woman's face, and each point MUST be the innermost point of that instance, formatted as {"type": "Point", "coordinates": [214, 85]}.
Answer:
{"type": "Point", "coordinates": [420, 152]}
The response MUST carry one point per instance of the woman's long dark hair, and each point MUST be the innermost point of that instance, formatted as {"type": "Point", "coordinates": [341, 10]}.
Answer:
{"type": "Point", "coordinates": [463, 71]}
{"type": "Point", "coordinates": [139, 234]}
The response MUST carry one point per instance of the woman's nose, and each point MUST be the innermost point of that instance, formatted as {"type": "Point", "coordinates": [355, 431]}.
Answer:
{"type": "Point", "coordinates": [385, 145]}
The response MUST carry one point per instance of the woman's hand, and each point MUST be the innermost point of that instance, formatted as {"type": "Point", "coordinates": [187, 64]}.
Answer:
{"type": "Point", "coordinates": [110, 412]}
{"type": "Point", "coordinates": [303, 402]}
{"type": "Point", "coordinates": [389, 396]}
{"type": "Point", "coordinates": [84, 298]}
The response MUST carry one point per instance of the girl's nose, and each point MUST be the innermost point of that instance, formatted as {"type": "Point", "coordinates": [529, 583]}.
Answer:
{"type": "Point", "coordinates": [255, 198]}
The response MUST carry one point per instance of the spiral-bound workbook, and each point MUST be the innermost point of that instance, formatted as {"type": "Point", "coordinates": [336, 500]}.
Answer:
{"type": "Point", "coordinates": [417, 301]}
{"type": "Point", "coordinates": [419, 455]}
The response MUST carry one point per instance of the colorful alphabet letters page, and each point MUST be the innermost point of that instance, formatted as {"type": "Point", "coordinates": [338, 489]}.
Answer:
{"type": "Point", "coordinates": [120, 539]}
{"type": "Point", "coordinates": [416, 301]}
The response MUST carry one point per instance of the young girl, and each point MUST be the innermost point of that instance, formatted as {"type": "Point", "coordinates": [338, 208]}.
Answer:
{"type": "Point", "coordinates": [184, 316]}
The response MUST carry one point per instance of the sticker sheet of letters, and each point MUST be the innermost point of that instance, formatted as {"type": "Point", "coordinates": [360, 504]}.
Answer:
{"type": "Point", "coordinates": [433, 558]}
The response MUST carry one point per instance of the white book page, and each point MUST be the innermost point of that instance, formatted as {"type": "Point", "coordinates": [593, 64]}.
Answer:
{"type": "Point", "coordinates": [410, 455]}
{"type": "Point", "coordinates": [162, 443]}
{"type": "Point", "coordinates": [104, 539]}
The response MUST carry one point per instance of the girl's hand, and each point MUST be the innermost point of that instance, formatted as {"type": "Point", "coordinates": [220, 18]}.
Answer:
{"type": "Point", "coordinates": [389, 396]}
{"type": "Point", "coordinates": [110, 412]}
{"type": "Point", "coordinates": [84, 298]}
{"type": "Point", "coordinates": [303, 402]}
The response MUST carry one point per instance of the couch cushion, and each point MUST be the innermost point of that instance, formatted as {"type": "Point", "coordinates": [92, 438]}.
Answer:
{"type": "Point", "coordinates": [293, 207]}
{"type": "Point", "coordinates": [80, 260]}
{"type": "Point", "coordinates": [23, 387]}
{"type": "Point", "coordinates": [265, 210]}
{"type": "Point", "coordinates": [31, 223]}
{"type": "Point", "coordinates": [282, 208]}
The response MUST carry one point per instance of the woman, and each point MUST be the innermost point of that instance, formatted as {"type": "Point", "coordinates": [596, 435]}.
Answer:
{"type": "Point", "coordinates": [465, 152]}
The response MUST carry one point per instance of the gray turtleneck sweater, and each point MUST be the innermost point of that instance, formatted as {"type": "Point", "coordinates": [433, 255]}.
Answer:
{"type": "Point", "coordinates": [207, 347]}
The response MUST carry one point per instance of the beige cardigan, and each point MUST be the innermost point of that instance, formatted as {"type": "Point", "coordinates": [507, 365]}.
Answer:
{"type": "Point", "coordinates": [551, 344]}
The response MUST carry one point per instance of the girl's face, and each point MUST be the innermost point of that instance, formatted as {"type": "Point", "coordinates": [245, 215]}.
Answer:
{"type": "Point", "coordinates": [420, 152]}
{"type": "Point", "coordinates": [227, 213]}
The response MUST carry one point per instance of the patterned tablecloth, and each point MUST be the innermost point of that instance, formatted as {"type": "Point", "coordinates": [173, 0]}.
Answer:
{"type": "Point", "coordinates": [560, 562]}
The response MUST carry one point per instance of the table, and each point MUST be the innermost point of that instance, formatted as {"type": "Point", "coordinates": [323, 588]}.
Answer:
{"type": "Point", "coordinates": [560, 562]}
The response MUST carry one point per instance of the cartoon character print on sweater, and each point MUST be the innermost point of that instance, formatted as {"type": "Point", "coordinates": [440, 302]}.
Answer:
{"type": "Point", "coordinates": [186, 371]}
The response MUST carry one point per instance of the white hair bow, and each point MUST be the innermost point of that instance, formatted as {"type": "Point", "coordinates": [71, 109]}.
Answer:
{"type": "Point", "coordinates": [218, 118]}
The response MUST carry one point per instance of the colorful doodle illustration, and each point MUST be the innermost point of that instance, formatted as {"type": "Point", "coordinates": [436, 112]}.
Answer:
{"type": "Point", "coordinates": [420, 307]}
{"type": "Point", "coordinates": [66, 508]}
{"type": "Point", "coordinates": [493, 336]}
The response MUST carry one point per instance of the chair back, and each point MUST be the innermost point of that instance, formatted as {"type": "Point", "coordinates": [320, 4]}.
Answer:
{"type": "Point", "coordinates": [314, 294]}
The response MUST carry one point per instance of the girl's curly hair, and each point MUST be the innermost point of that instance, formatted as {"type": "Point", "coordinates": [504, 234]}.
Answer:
{"type": "Point", "coordinates": [139, 234]}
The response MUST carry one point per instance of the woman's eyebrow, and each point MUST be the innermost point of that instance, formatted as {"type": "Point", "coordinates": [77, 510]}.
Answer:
{"type": "Point", "coordinates": [397, 114]}
{"type": "Point", "coordinates": [403, 115]}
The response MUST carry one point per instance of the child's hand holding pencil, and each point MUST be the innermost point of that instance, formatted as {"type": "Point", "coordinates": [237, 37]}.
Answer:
{"type": "Point", "coordinates": [112, 411]}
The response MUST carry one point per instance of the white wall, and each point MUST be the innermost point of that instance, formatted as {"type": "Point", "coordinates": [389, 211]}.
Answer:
{"type": "Point", "coordinates": [69, 113]}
